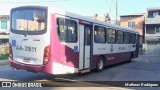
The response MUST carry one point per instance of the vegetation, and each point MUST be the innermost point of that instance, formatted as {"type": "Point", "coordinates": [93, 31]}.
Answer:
{"type": "Point", "coordinates": [4, 56]}
{"type": "Point", "coordinates": [4, 50]}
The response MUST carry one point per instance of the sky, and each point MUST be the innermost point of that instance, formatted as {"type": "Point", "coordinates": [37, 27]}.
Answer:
{"type": "Point", "coordinates": [86, 7]}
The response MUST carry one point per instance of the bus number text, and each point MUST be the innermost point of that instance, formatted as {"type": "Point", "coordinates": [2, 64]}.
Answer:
{"type": "Point", "coordinates": [26, 48]}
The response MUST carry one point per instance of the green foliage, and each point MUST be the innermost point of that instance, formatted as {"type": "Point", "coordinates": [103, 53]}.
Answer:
{"type": "Point", "coordinates": [4, 56]}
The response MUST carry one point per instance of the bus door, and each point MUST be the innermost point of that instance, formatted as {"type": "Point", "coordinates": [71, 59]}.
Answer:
{"type": "Point", "coordinates": [85, 46]}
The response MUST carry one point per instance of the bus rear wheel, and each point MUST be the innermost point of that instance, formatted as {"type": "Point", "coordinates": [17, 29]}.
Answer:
{"type": "Point", "coordinates": [130, 58]}
{"type": "Point", "coordinates": [100, 64]}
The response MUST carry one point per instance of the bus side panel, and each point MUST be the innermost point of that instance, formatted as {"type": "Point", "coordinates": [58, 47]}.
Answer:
{"type": "Point", "coordinates": [111, 59]}
{"type": "Point", "coordinates": [68, 56]}
{"type": "Point", "coordinates": [48, 67]}
{"type": "Point", "coordinates": [63, 57]}
{"type": "Point", "coordinates": [117, 58]}
{"type": "Point", "coordinates": [55, 50]}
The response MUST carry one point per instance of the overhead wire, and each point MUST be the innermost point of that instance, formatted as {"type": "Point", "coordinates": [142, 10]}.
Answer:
{"type": "Point", "coordinates": [47, 1]}
{"type": "Point", "coordinates": [111, 8]}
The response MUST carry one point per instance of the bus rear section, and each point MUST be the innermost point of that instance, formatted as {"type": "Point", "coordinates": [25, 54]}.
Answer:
{"type": "Point", "coordinates": [29, 39]}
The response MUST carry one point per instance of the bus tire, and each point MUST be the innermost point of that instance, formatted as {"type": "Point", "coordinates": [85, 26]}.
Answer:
{"type": "Point", "coordinates": [133, 55]}
{"type": "Point", "coordinates": [130, 58]}
{"type": "Point", "coordinates": [100, 64]}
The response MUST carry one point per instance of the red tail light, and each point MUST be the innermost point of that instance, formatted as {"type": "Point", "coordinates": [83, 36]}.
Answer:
{"type": "Point", "coordinates": [10, 52]}
{"type": "Point", "coordinates": [46, 55]}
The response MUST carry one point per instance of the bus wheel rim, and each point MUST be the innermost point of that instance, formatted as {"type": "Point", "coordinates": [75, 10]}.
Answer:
{"type": "Point", "coordinates": [100, 64]}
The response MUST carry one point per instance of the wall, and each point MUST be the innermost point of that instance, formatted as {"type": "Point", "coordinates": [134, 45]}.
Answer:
{"type": "Point", "coordinates": [139, 23]}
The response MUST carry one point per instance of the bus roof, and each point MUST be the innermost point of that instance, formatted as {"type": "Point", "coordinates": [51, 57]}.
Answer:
{"type": "Point", "coordinates": [94, 21]}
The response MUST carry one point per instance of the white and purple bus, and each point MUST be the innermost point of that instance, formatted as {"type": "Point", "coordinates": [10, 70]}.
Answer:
{"type": "Point", "coordinates": [43, 39]}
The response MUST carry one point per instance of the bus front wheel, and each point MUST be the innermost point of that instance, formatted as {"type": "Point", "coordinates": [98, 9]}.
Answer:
{"type": "Point", "coordinates": [100, 64]}
{"type": "Point", "coordinates": [130, 58]}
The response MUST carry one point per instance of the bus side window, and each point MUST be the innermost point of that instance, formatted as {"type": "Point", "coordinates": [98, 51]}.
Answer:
{"type": "Point", "coordinates": [72, 31]}
{"type": "Point", "coordinates": [67, 30]}
{"type": "Point", "coordinates": [61, 29]}
{"type": "Point", "coordinates": [111, 36]}
{"type": "Point", "coordinates": [99, 34]}
{"type": "Point", "coordinates": [126, 37]}
{"type": "Point", "coordinates": [120, 37]}
{"type": "Point", "coordinates": [69, 34]}
{"type": "Point", "coordinates": [132, 39]}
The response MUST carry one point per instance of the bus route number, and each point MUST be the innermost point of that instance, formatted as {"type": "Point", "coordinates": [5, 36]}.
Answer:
{"type": "Point", "coordinates": [26, 48]}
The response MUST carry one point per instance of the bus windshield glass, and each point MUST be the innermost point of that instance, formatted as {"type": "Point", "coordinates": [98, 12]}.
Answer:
{"type": "Point", "coordinates": [28, 20]}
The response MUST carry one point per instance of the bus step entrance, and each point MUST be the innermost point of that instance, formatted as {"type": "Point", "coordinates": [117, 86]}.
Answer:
{"type": "Point", "coordinates": [85, 71]}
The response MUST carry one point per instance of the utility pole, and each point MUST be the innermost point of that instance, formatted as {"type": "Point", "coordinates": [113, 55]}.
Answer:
{"type": "Point", "coordinates": [116, 11]}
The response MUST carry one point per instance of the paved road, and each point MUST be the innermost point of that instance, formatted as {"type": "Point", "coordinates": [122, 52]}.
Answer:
{"type": "Point", "coordinates": [144, 68]}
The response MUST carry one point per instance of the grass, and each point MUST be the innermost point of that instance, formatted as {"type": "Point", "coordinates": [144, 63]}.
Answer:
{"type": "Point", "coordinates": [4, 56]}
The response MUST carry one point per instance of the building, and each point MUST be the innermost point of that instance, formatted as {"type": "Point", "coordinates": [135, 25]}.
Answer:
{"type": "Point", "coordinates": [152, 32]}
{"type": "Point", "coordinates": [4, 33]}
{"type": "Point", "coordinates": [4, 23]}
{"type": "Point", "coordinates": [137, 22]}
{"type": "Point", "coordinates": [4, 26]}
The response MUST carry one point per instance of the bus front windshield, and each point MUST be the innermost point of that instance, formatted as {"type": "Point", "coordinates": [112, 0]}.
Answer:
{"type": "Point", "coordinates": [28, 20]}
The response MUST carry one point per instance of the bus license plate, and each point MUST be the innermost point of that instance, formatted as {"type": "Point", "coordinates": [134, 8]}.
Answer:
{"type": "Point", "coordinates": [26, 60]}
{"type": "Point", "coordinates": [26, 48]}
